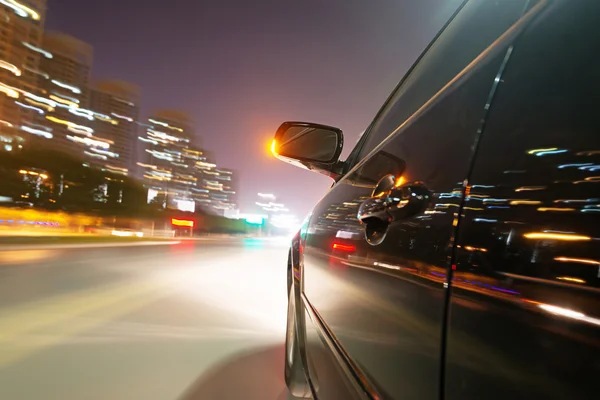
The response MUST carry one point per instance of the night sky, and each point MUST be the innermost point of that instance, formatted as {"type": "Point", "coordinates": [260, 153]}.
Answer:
{"type": "Point", "coordinates": [240, 68]}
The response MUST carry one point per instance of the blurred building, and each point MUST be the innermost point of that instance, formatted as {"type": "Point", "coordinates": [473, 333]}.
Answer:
{"type": "Point", "coordinates": [121, 102]}
{"type": "Point", "coordinates": [63, 120]}
{"type": "Point", "coordinates": [63, 102]}
{"type": "Point", "coordinates": [178, 173]}
{"type": "Point", "coordinates": [223, 191]}
{"type": "Point", "coordinates": [166, 162]}
{"type": "Point", "coordinates": [21, 28]}
{"type": "Point", "coordinates": [216, 187]}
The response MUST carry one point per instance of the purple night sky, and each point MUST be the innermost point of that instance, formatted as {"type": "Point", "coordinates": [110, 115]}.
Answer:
{"type": "Point", "coordinates": [240, 68]}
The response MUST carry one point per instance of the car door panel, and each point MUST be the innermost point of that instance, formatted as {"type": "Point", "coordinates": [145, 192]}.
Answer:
{"type": "Point", "coordinates": [526, 290]}
{"type": "Point", "coordinates": [384, 304]}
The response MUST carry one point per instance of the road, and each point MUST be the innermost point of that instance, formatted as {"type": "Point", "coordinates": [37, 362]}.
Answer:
{"type": "Point", "coordinates": [194, 320]}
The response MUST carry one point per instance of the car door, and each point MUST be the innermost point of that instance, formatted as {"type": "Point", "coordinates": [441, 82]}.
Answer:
{"type": "Point", "coordinates": [375, 292]}
{"type": "Point", "coordinates": [525, 311]}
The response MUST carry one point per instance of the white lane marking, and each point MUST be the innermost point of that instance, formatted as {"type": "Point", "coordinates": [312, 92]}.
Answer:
{"type": "Point", "coordinates": [136, 332]}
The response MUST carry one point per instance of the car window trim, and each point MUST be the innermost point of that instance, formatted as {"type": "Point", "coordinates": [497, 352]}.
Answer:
{"type": "Point", "coordinates": [509, 35]}
{"type": "Point", "coordinates": [351, 160]}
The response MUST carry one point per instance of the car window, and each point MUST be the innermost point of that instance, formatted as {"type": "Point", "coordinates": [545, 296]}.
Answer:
{"type": "Point", "coordinates": [474, 28]}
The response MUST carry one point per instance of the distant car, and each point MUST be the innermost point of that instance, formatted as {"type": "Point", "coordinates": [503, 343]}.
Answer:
{"type": "Point", "coordinates": [457, 254]}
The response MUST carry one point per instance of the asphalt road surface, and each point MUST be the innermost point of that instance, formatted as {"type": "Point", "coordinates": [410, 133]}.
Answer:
{"type": "Point", "coordinates": [195, 320]}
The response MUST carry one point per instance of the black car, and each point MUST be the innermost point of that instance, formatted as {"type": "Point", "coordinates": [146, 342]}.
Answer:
{"type": "Point", "coordinates": [457, 254]}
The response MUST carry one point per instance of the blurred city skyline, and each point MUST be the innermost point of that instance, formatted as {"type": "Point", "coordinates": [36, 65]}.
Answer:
{"type": "Point", "coordinates": [240, 69]}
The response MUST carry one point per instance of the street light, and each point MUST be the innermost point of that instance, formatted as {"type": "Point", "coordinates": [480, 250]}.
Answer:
{"type": "Point", "coordinates": [267, 196]}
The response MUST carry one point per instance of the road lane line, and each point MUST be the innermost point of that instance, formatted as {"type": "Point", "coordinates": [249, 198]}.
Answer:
{"type": "Point", "coordinates": [13, 322]}
{"type": "Point", "coordinates": [13, 350]}
{"type": "Point", "coordinates": [103, 303]}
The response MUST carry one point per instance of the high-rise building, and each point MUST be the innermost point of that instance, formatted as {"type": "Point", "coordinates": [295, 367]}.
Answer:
{"type": "Point", "coordinates": [121, 101]}
{"type": "Point", "coordinates": [71, 64]}
{"type": "Point", "coordinates": [179, 174]}
{"type": "Point", "coordinates": [225, 199]}
{"type": "Point", "coordinates": [168, 140]}
{"type": "Point", "coordinates": [21, 28]}
{"type": "Point", "coordinates": [64, 100]}
{"type": "Point", "coordinates": [65, 120]}
{"type": "Point", "coordinates": [220, 186]}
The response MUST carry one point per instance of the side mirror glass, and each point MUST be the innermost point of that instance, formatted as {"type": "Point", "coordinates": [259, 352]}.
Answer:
{"type": "Point", "coordinates": [308, 143]}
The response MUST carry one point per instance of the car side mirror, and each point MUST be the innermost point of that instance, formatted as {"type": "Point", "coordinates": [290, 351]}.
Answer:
{"type": "Point", "coordinates": [311, 146]}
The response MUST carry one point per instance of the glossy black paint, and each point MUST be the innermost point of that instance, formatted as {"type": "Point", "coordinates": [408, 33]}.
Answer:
{"type": "Point", "coordinates": [385, 303]}
{"type": "Point", "coordinates": [525, 312]}
{"type": "Point", "coordinates": [489, 285]}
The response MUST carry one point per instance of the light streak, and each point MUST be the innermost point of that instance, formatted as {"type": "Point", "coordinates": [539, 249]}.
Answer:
{"type": "Point", "coordinates": [95, 155]}
{"type": "Point", "coordinates": [21, 9]}
{"type": "Point", "coordinates": [10, 67]}
{"type": "Point", "coordinates": [165, 125]}
{"type": "Point", "coordinates": [39, 104]}
{"type": "Point", "coordinates": [37, 132]}
{"type": "Point", "coordinates": [64, 101]}
{"type": "Point", "coordinates": [72, 126]}
{"type": "Point", "coordinates": [121, 117]}
{"type": "Point", "coordinates": [73, 89]}
{"type": "Point", "coordinates": [555, 209]}
{"type": "Point", "coordinates": [104, 152]}
{"type": "Point", "coordinates": [588, 261]}
{"type": "Point", "coordinates": [88, 141]}
{"type": "Point", "coordinates": [39, 110]}
{"type": "Point", "coordinates": [35, 71]}
{"type": "Point", "coordinates": [9, 91]}
{"type": "Point", "coordinates": [534, 151]}
{"type": "Point", "coordinates": [40, 99]}
{"type": "Point", "coordinates": [38, 50]}
{"type": "Point", "coordinates": [82, 113]}
{"type": "Point", "coordinates": [556, 236]}
{"type": "Point", "coordinates": [570, 279]}
{"type": "Point", "coordinates": [182, 222]}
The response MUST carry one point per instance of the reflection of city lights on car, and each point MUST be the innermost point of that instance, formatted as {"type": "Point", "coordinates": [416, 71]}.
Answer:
{"type": "Point", "coordinates": [556, 236]}
{"type": "Point", "coordinates": [543, 152]}
{"type": "Point", "coordinates": [570, 279]}
{"type": "Point", "coordinates": [578, 260]}
{"type": "Point", "coordinates": [343, 247]}
{"type": "Point", "coordinates": [400, 181]}
{"type": "Point", "coordinates": [568, 313]}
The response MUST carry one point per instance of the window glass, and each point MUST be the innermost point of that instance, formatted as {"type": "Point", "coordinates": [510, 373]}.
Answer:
{"type": "Point", "coordinates": [475, 27]}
